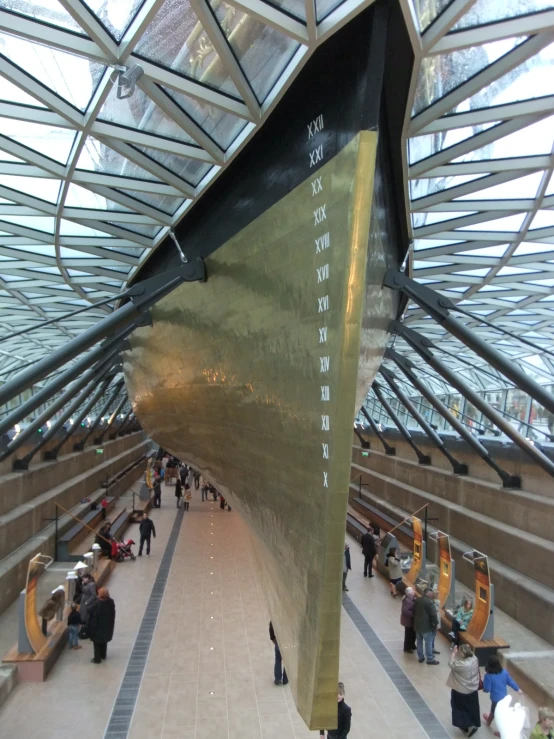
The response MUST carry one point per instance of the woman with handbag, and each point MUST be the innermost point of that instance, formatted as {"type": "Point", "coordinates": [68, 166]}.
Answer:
{"type": "Point", "coordinates": [464, 681]}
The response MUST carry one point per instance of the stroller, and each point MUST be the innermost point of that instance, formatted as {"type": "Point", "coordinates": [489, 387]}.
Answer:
{"type": "Point", "coordinates": [122, 550]}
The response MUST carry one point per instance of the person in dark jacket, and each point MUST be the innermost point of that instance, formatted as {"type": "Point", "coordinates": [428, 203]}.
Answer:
{"type": "Point", "coordinates": [147, 529]}
{"type": "Point", "coordinates": [157, 493]}
{"type": "Point", "coordinates": [279, 672]}
{"type": "Point", "coordinates": [178, 492]}
{"type": "Point", "coordinates": [407, 620]}
{"type": "Point", "coordinates": [426, 621]}
{"type": "Point", "coordinates": [101, 622]}
{"type": "Point", "coordinates": [369, 551]}
{"type": "Point", "coordinates": [346, 565]}
{"type": "Point", "coordinates": [344, 718]}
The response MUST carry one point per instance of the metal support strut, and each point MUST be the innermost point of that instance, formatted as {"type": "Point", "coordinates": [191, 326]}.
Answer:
{"type": "Point", "coordinates": [422, 458]}
{"type": "Point", "coordinates": [80, 445]}
{"type": "Point", "coordinates": [113, 417]}
{"type": "Point", "coordinates": [390, 450]}
{"type": "Point", "coordinates": [423, 347]}
{"type": "Point", "coordinates": [407, 367]}
{"type": "Point", "coordinates": [458, 467]}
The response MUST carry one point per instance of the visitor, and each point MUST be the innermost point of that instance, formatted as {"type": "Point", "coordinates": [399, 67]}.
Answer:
{"type": "Point", "coordinates": [221, 502]}
{"type": "Point", "coordinates": [425, 624]}
{"type": "Point", "coordinates": [395, 571]}
{"type": "Point", "coordinates": [496, 682]}
{"type": "Point", "coordinates": [279, 672]}
{"type": "Point", "coordinates": [369, 551]}
{"type": "Point", "coordinates": [203, 489]}
{"type": "Point", "coordinates": [48, 613]}
{"type": "Point", "coordinates": [87, 599]}
{"type": "Point", "coordinates": [464, 683]}
{"type": "Point", "coordinates": [183, 472]}
{"type": "Point", "coordinates": [146, 530]}
{"type": "Point", "coordinates": [178, 492]}
{"type": "Point", "coordinates": [73, 623]}
{"type": "Point", "coordinates": [461, 619]}
{"type": "Point", "coordinates": [344, 717]}
{"type": "Point", "coordinates": [196, 476]}
{"type": "Point", "coordinates": [407, 620]}
{"type": "Point", "coordinates": [157, 493]}
{"type": "Point", "coordinates": [104, 539]}
{"type": "Point", "coordinates": [545, 724]}
{"type": "Point", "coordinates": [104, 503]}
{"type": "Point", "coordinates": [346, 565]}
{"type": "Point", "coordinates": [188, 495]}
{"type": "Point", "coordinates": [101, 624]}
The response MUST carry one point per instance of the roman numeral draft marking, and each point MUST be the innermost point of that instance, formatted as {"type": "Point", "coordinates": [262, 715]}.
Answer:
{"type": "Point", "coordinates": [320, 215]}
{"type": "Point", "coordinates": [325, 423]}
{"type": "Point", "coordinates": [323, 335]}
{"type": "Point", "coordinates": [322, 242]}
{"type": "Point", "coordinates": [317, 186]}
{"type": "Point", "coordinates": [315, 126]}
{"type": "Point", "coordinates": [325, 485]}
{"type": "Point", "coordinates": [325, 451]}
{"type": "Point", "coordinates": [316, 155]}
{"type": "Point", "coordinates": [323, 304]}
{"type": "Point", "coordinates": [322, 273]}
{"type": "Point", "coordinates": [325, 393]}
{"type": "Point", "coordinates": [324, 363]}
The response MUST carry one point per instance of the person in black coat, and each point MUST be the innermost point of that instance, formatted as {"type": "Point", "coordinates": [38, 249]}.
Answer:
{"type": "Point", "coordinates": [346, 566]}
{"type": "Point", "coordinates": [101, 623]}
{"type": "Point", "coordinates": [178, 492]}
{"type": "Point", "coordinates": [344, 718]}
{"type": "Point", "coordinates": [369, 551]}
{"type": "Point", "coordinates": [146, 529]}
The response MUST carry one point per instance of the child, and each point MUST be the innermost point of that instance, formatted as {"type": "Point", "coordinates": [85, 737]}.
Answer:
{"type": "Point", "coordinates": [73, 623]}
{"type": "Point", "coordinates": [496, 683]}
{"type": "Point", "coordinates": [104, 504]}
{"type": "Point", "coordinates": [545, 726]}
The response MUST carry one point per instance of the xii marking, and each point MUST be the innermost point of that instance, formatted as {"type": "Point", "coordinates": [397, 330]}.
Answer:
{"type": "Point", "coordinates": [325, 423]}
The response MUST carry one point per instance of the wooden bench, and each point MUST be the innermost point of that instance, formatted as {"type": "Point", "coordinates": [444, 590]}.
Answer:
{"type": "Point", "coordinates": [482, 648]}
{"type": "Point", "coordinates": [110, 482]}
{"type": "Point", "coordinates": [140, 506]}
{"type": "Point", "coordinates": [78, 532]}
{"type": "Point", "coordinates": [383, 520]}
{"type": "Point", "coordinates": [120, 524]}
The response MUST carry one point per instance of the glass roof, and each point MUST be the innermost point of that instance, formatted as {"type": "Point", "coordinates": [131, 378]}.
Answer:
{"type": "Point", "coordinates": [91, 181]}
{"type": "Point", "coordinates": [480, 143]}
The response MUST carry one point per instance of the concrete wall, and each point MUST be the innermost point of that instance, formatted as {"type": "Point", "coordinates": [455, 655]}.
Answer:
{"type": "Point", "coordinates": [13, 568]}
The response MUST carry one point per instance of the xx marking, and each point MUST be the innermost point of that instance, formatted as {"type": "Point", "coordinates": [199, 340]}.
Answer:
{"type": "Point", "coordinates": [320, 215]}
{"type": "Point", "coordinates": [317, 186]}
{"type": "Point", "coordinates": [316, 155]}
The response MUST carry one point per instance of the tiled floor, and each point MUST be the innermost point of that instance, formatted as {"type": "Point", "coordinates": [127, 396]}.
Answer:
{"type": "Point", "coordinates": [209, 670]}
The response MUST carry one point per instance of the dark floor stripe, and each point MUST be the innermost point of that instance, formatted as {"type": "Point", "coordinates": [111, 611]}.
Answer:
{"type": "Point", "coordinates": [124, 706]}
{"type": "Point", "coordinates": [429, 722]}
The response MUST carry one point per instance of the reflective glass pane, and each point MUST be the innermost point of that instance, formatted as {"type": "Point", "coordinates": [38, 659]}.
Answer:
{"type": "Point", "coordinates": [54, 143]}
{"type": "Point", "coordinates": [428, 10]}
{"type": "Point", "coordinates": [440, 74]}
{"type": "Point", "coordinates": [165, 203]}
{"type": "Point", "coordinates": [490, 11]}
{"type": "Point", "coordinates": [262, 51]}
{"type": "Point", "coordinates": [136, 228]}
{"type": "Point", "coordinates": [324, 7]}
{"type": "Point", "coordinates": [533, 78]}
{"type": "Point", "coordinates": [49, 11]}
{"type": "Point", "coordinates": [115, 16]}
{"type": "Point", "coordinates": [176, 39]}
{"type": "Point", "coordinates": [521, 187]}
{"type": "Point", "coordinates": [98, 157]}
{"type": "Point", "coordinates": [530, 141]}
{"type": "Point", "coordinates": [294, 7]}
{"type": "Point", "coordinates": [427, 186]}
{"type": "Point", "coordinates": [71, 77]}
{"type": "Point", "coordinates": [222, 127]}
{"type": "Point", "coordinates": [543, 219]}
{"type": "Point", "coordinates": [139, 112]}
{"type": "Point", "coordinates": [14, 94]}
{"type": "Point", "coordinates": [80, 197]}
{"type": "Point", "coordinates": [421, 147]}
{"type": "Point", "coordinates": [44, 189]}
{"type": "Point", "coordinates": [509, 223]}
{"type": "Point", "coordinates": [190, 170]}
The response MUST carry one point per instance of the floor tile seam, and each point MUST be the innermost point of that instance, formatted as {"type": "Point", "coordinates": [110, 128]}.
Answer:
{"type": "Point", "coordinates": [167, 556]}
{"type": "Point", "coordinates": [349, 604]}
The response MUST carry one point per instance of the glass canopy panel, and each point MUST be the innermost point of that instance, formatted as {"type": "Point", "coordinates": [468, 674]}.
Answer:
{"type": "Point", "coordinates": [543, 219]}
{"type": "Point", "coordinates": [325, 7]}
{"type": "Point", "coordinates": [98, 157]}
{"type": "Point", "coordinates": [80, 197]}
{"type": "Point", "coordinates": [261, 50]}
{"type": "Point", "coordinates": [115, 15]}
{"type": "Point", "coordinates": [428, 186]}
{"type": "Point", "coordinates": [54, 143]}
{"type": "Point", "coordinates": [45, 189]}
{"type": "Point", "coordinates": [37, 223]}
{"type": "Point", "coordinates": [138, 229]}
{"type": "Point", "coordinates": [191, 170]}
{"type": "Point", "coordinates": [177, 40]}
{"type": "Point", "coordinates": [442, 73]}
{"type": "Point", "coordinates": [428, 10]}
{"type": "Point", "coordinates": [48, 11]}
{"type": "Point", "coordinates": [13, 94]}
{"type": "Point", "coordinates": [532, 79]}
{"type": "Point", "coordinates": [530, 141]}
{"type": "Point", "coordinates": [491, 11]}
{"type": "Point", "coordinates": [140, 113]}
{"type": "Point", "coordinates": [165, 203]}
{"type": "Point", "coordinates": [421, 147]}
{"type": "Point", "coordinates": [222, 127]}
{"type": "Point", "coordinates": [294, 7]}
{"type": "Point", "coordinates": [521, 187]}
{"type": "Point", "coordinates": [71, 77]}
